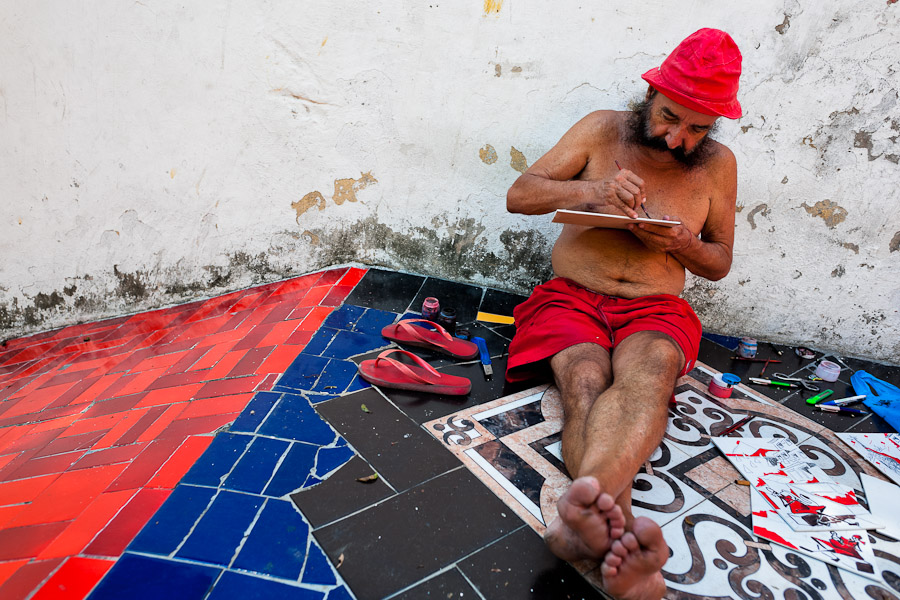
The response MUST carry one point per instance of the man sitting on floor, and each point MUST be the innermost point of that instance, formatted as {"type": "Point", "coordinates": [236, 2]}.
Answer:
{"type": "Point", "coordinates": [610, 326]}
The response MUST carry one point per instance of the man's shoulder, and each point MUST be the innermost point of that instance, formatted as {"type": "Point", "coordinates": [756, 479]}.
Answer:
{"type": "Point", "coordinates": [722, 161]}
{"type": "Point", "coordinates": [601, 126]}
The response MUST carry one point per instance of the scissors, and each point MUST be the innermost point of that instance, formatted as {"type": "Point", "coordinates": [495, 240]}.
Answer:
{"type": "Point", "coordinates": [801, 382]}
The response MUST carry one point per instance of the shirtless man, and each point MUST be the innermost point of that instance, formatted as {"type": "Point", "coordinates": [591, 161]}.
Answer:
{"type": "Point", "coordinates": [610, 326]}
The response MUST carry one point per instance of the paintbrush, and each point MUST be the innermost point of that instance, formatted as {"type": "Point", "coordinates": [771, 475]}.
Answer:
{"type": "Point", "coordinates": [642, 204]}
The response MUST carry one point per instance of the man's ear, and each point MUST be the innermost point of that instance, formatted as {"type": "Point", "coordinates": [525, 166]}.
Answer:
{"type": "Point", "coordinates": [650, 93]}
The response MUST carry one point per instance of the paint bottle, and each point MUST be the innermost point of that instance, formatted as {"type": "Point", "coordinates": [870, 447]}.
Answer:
{"type": "Point", "coordinates": [447, 319]}
{"type": "Point", "coordinates": [828, 370]}
{"type": "Point", "coordinates": [431, 308]}
{"type": "Point", "coordinates": [747, 348]}
{"type": "Point", "coordinates": [721, 385]}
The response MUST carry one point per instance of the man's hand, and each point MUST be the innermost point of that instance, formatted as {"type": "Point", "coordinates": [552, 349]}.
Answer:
{"type": "Point", "coordinates": [661, 238]}
{"type": "Point", "coordinates": [618, 195]}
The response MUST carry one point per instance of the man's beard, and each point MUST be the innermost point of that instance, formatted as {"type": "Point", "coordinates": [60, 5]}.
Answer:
{"type": "Point", "coordinates": [639, 133]}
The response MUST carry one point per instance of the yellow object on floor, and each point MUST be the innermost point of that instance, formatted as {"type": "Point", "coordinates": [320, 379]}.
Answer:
{"type": "Point", "coordinates": [492, 318]}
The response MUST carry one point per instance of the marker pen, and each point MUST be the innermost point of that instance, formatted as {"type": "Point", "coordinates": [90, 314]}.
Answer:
{"type": "Point", "coordinates": [771, 383]}
{"type": "Point", "coordinates": [845, 401]}
{"type": "Point", "coordinates": [840, 409]}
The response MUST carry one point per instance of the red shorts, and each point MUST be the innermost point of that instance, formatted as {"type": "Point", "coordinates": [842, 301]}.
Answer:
{"type": "Point", "coordinates": [561, 313]}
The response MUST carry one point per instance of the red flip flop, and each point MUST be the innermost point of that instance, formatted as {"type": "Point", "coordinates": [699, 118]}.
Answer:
{"type": "Point", "coordinates": [437, 338]}
{"type": "Point", "coordinates": [390, 373]}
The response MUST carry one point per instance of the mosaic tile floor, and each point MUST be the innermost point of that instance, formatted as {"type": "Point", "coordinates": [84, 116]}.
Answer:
{"type": "Point", "coordinates": [213, 450]}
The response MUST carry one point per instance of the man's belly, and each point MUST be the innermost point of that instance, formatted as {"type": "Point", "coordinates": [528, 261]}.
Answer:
{"type": "Point", "coordinates": [615, 262]}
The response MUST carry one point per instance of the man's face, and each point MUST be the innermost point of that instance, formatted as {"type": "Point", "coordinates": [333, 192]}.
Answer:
{"type": "Point", "coordinates": [662, 124]}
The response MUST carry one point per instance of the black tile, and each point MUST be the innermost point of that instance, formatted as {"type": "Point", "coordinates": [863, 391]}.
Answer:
{"type": "Point", "coordinates": [506, 331]}
{"type": "Point", "coordinates": [501, 303]}
{"type": "Point", "coordinates": [386, 290]}
{"type": "Point", "coordinates": [341, 494]}
{"type": "Point", "coordinates": [401, 451]}
{"type": "Point", "coordinates": [462, 298]}
{"type": "Point", "coordinates": [871, 424]}
{"type": "Point", "coordinates": [449, 584]}
{"type": "Point", "coordinates": [520, 566]}
{"type": "Point", "coordinates": [408, 537]}
{"type": "Point", "coordinates": [425, 407]}
{"type": "Point", "coordinates": [885, 372]}
{"type": "Point", "coordinates": [833, 421]}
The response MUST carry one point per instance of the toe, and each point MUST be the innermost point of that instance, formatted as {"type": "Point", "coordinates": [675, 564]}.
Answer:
{"type": "Point", "coordinates": [606, 503]}
{"type": "Point", "coordinates": [619, 549]}
{"type": "Point", "coordinates": [630, 542]}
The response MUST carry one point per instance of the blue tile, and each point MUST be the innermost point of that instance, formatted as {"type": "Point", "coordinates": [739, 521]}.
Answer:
{"type": "Point", "coordinates": [295, 419]}
{"type": "Point", "coordinates": [303, 372]}
{"type": "Point", "coordinates": [255, 412]}
{"type": "Point", "coordinates": [173, 521]}
{"type": "Point", "coordinates": [339, 593]}
{"type": "Point", "coordinates": [357, 384]}
{"type": "Point", "coordinates": [318, 570]}
{"type": "Point", "coordinates": [320, 341]}
{"type": "Point", "coordinates": [317, 398]}
{"type": "Point", "coordinates": [277, 544]}
{"type": "Point", "coordinates": [374, 321]}
{"type": "Point", "coordinates": [218, 459]}
{"type": "Point", "coordinates": [293, 471]}
{"type": "Point", "coordinates": [143, 578]}
{"type": "Point", "coordinates": [238, 586]}
{"type": "Point", "coordinates": [255, 468]}
{"type": "Point", "coordinates": [344, 318]}
{"type": "Point", "coordinates": [330, 459]}
{"type": "Point", "coordinates": [218, 534]}
{"type": "Point", "coordinates": [723, 340]}
{"type": "Point", "coordinates": [351, 343]}
{"type": "Point", "coordinates": [336, 377]}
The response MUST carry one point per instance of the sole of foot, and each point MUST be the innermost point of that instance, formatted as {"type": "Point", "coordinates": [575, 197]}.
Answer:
{"type": "Point", "coordinates": [588, 523]}
{"type": "Point", "coordinates": [631, 570]}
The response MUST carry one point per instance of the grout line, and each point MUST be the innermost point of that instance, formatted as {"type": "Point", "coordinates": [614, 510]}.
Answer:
{"type": "Point", "coordinates": [247, 531]}
{"type": "Point", "coordinates": [196, 522]}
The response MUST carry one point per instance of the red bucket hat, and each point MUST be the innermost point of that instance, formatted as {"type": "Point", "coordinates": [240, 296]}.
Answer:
{"type": "Point", "coordinates": [702, 74]}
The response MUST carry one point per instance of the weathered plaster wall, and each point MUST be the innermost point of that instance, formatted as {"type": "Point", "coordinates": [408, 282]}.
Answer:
{"type": "Point", "coordinates": [157, 151]}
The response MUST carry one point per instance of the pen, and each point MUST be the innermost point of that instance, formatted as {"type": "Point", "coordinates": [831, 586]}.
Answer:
{"type": "Point", "coordinates": [771, 383]}
{"type": "Point", "coordinates": [819, 397]}
{"type": "Point", "coordinates": [840, 409]}
{"type": "Point", "coordinates": [740, 424]}
{"type": "Point", "coordinates": [618, 166]}
{"type": "Point", "coordinates": [845, 401]}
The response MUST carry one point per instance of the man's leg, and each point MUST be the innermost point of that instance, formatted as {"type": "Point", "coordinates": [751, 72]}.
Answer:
{"type": "Point", "coordinates": [611, 434]}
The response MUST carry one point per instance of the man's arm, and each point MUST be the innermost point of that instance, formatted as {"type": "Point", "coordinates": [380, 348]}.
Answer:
{"type": "Point", "coordinates": [709, 255]}
{"type": "Point", "coordinates": [549, 183]}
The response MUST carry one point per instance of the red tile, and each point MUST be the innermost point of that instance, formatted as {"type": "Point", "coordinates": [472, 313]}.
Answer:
{"type": "Point", "coordinates": [36, 467]}
{"type": "Point", "coordinates": [95, 424]}
{"type": "Point", "coordinates": [337, 295]}
{"type": "Point", "coordinates": [89, 523]}
{"type": "Point", "coordinates": [167, 381]}
{"type": "Point", "coordinates": [214, 354]}
{"type": "Point", "coordinates": [314, 320]}
{"type": "Point", "coordinates": [74, 579]}
{"type": "Point", "coordinates": [279, 360]}
{"type": "Point", "coordinates": [34, 441]}
{"type": "Point", "coordinates": [315, 296]}
{"type": "Point", "coordinates": [244, 303]}
{"type": "Point", "coordinates": [299, 313]}
{"type": "Point", "coordinates": [24, 490]}
{"type": "Point", "coordinates": [299, 339]}
{"type": "Point", "coordinates": [146, 464]}
{"type": "Point", "coordinates": [170, 395]}
{"type": "Point", "coordinates": [139, 382]}
{"type": "Point", "coordinates": [122, 529]}
{"type": "Point", "coordinates": [331, 277]}
{"type": "Point", "coordinates": [93, 391]}
{"type": "Point", "coordinates": [45, 415]}
{"type": "Point", "coordinates": [217, 405]}
{"type": "Point", "coordinates": [280, 313]}
{"type": "Point", "coordinates": [267, 383]}
{"type": "Point", "coordinates": [58, 423]}
{"type": "Point", "coordinates": [8, 568]}
{"type": "Point", "coordinates": [28, 541]}
{"type": "Point", "coordinates": [172, 412]}
{"type": "Point", "coordinates": [68, 495]}
{"type": "Point", "coordinates": [72, 394]}
{"type": "Point", "coordinates": [225, 365]}
{"type": "Point", "coordinates": [125, 422]}
{"type": "Point", "coordinates": [353, 276]}
{"type": "Point", "coordinates": [8, 513]}
{"type": "Point", "coordinates": [187, 360]}
{"type": "Point", "coordinates": [250, 363]}
{"type": "Point", "coordinates": [70, 443]}
{"type": "Point", "coordinates": [113, 405]}
{"type": "Point", "coordinates": [280, 333]}
{"type": "Point", "coordinates": [182, 460]}
{"type": "Point", "coordinates": [68, 377]}
{"type": "Point", "coordinates": [136, 430]}
{"type": "Point", "coordinates": [224, 387]}
{"type": "Point", "coordinates": [5, 460]}
{"type": "Point", "coordinates": [254, 338]}
{"type": "Point", "coordinates": [196, 426]}
{"type": "Point", "coordinates": [27, 578]}
{"type": "Point", "coordinates": [298, 283]}
{"type": "Point", "coordinates": [109, 456]}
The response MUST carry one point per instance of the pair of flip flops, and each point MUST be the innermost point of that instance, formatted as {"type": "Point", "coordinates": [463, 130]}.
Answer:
{"type": "Point", "coordinates": [420, 376]}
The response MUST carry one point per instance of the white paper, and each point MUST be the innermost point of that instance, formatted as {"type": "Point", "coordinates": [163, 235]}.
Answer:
{"type": "Point", "coordinates": [883, 499]}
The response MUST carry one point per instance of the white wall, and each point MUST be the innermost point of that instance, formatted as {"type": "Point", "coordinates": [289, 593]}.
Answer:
{"type": "Point", "coordinates": [157, 151]}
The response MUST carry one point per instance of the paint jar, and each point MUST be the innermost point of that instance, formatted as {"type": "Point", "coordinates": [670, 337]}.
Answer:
{"type": "Point", "coordinates": [721, 385]}
{"type": "Point", "coordinates": [447, 319]}
{"type": "Point", "coordinates": [431, 308]}
{"type": "Point", "coordinates": [828, 371]}
{"type": "Point", "coordinates": [747, 348]}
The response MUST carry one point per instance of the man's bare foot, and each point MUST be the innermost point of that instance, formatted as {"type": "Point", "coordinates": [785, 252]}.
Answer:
{"type": "Point", "coordinates": [589, 520]}
{"type": "Point", "coordinates": [631, 568]}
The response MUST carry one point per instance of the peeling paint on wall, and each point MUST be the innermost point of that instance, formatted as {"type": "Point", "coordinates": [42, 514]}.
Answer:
{"type": "Point", "coordinates": [762, 209]}
{"type": "Point", "coordinates": [830, 212]}
{"type": "Point", "coordinates": [492, 6]}
{"type": "Point", "coordinates": [850, 246]}
{"type": "Point", "coordinates": [895, 242]}
{"type": "Point", "coordinates": [311, 199]}
{"type": "Point", "coordinates": [487, 154]}
{"type": "Point", "coordinates": [517, 160]}
{"type": "Point", "coordinates": [345, 189]}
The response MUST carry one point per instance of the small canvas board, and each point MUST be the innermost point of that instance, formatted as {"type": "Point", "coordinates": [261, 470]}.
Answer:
{"type": "Point", "coordinates": [882, 497]}
{"type": "Point", "coordinates": [880, 449]}
{"type": "Point", "coordinates": [849, 550]}
{"type": "Point", "coordinates": [590, 219]}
